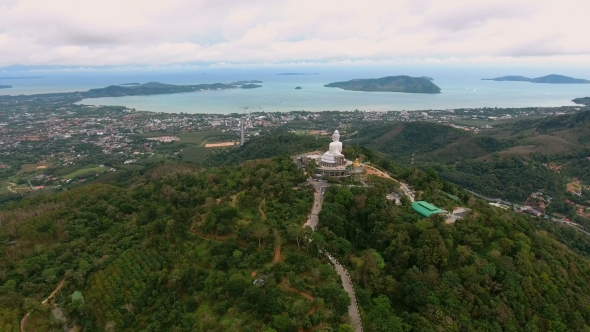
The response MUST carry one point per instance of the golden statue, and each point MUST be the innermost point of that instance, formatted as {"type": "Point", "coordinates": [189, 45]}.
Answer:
{"type": "Point", "coordinates": [356, 163]}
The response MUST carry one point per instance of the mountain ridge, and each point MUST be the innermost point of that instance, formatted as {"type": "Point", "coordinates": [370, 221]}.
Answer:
{"type": "Point", "coordinates": [550, 79]}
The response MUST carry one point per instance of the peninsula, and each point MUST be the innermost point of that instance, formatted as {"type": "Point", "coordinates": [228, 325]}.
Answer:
{"type": "Point", "coordinates": [151, 88]}
{"type": "Point", "coordinates": [551, 79]}
{"type": "Point", "coordinates": [389, 84]}
{"type": "Point", "coordinates": [292, 74]}
{"type": "Point", "coordinates": [5, 86]}
{"type": "Point", "coordinates": [583, 101]}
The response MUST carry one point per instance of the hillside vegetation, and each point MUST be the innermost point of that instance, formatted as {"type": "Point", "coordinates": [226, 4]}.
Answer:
{"type": "Point", "coordinates": [175, 249]}
{"type": "Point", "coordinates": [493, 271]}
{"type": "Point", "coordinates": [180, 247]}
{"type": "Point", "coordinates": [506, 161]}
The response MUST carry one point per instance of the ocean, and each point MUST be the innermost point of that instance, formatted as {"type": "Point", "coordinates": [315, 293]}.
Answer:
{"type": "Point", "coordinates": [461, 88]}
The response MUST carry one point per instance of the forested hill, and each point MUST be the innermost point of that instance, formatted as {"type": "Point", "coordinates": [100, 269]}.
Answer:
{"type": "Point", "coordinates": [180, 247]}
{"type": "Point", "coordinates": [584, 101]}
{"type": "Point", "coordinates": [268, 146]}
{"type": "Point", "coordinates": [175, 249]}
{"type": "Point", "coordinates": [506, 161]}
{"type": "Point", "coordinates": [494, 271]}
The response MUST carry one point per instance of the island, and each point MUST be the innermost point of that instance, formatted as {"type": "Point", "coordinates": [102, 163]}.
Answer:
{"type": "Point", "coordinates": [401, 83]}
{"type": "Point", "coordinates": [297, 88]}
{"type": "Point", "coordinates": [582, 101]}
{"type": "Point", "coordinates": [551, 79]}
{"type": "Point", "coordinates": [292, 74]}
{"type": "Point", "coordinates": [244, 82]}
{"type": "Point", "coordinates": [5, 86]}
{"type": "Point", "coordinates": [251, 86]}
{"type": "Point", "coordinates": [428, 78]}
{"type": "Point", "coordinates": [19, 77]}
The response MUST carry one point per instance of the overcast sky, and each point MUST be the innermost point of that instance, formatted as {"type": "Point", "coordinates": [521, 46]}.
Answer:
{"type": "Point", "coordinates": [260, 32]}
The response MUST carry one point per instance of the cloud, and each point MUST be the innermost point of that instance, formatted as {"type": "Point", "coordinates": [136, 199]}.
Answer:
{"type": "Point", "coordinates": [229, 32]}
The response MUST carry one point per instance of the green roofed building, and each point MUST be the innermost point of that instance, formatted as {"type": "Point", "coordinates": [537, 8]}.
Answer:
{"type": "Point", "coordinates": [426, 209]}
{"type": "Point", "coordinates": [77, 296]}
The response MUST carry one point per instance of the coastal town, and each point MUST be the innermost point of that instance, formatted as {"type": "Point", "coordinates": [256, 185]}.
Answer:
{"type": "Point", "coordinates": [54, 142]}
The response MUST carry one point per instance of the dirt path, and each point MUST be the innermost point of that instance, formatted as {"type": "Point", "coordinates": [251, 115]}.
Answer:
{"type": "Point", "coordinates": [9, 187]}
{"type": "Point", "coordinates": [261, 210]}
{"type": "Point", "coordinates": [308, 296]}
{"type": "Point", "coordinates": [219, 238]}
{"type": "Point", "coordinates": [373, 171]}
{"type": "Point", "coordinates": [277, 257]}
{"type": "Point", "coordinates": [52, 295]}
{"type": "Point", "coordinates": [55, 291]}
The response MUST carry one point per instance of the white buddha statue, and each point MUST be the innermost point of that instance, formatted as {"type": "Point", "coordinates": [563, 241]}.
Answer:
{"type": "Point", "coordinates": [334, 150]}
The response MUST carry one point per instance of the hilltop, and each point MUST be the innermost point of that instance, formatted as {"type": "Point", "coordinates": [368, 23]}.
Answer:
{"type": "Point", "coordinates": [186, 248]}
{"type": "Point", "coordinates": [389, 84]}
{"type": "Point", "coordinates": [552, 79]}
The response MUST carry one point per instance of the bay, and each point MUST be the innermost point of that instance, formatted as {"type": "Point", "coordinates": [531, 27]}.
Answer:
{"type": "Point", "coordinates": [461, 88]}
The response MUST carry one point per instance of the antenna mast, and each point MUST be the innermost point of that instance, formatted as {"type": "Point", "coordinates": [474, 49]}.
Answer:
{"type": "Point", "coordinates": [243, 120]}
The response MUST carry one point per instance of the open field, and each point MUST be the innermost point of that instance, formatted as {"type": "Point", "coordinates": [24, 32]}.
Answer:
{"type": "Point", "coordinates": [573, 186]}
{"type": "Point", "coordinates": [28, 168]}
{"type": "Point", "coordinates": [85, 171]}
{"type": "Point", "coordinates": [195, 137]}
{"type": "Point", "coordinates": [216, 145]}
{"type": "Point", "coordinates": [195, 154]}
{"type": "Point", "coordinates": [373, 171]}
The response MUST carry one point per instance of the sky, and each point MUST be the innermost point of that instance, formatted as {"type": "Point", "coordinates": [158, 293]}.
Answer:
{"type": "Point", "coordinates": [225, 33]}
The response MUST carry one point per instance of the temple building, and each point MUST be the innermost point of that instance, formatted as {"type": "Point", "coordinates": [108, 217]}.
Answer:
{"type": "Point", "coordinates": [333, 163]}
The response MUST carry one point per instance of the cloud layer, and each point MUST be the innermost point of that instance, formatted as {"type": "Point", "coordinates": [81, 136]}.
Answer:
{"type": "Point", "coordinates": [155, 32]}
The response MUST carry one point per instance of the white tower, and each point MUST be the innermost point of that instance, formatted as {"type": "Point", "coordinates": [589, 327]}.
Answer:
{"type": "Point", "coordinates": [242, 130]}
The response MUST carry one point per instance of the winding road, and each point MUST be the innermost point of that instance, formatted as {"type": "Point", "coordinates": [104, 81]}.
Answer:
{"type": "Point", "coordinates": [312, 221]}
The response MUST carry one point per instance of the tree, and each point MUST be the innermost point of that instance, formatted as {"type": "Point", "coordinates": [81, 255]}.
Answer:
{"type": "Point", "coordinates": [297, 233]}
{"type": "Point", "coordinates": [260, 231]}
{"type": "Point", "coordinates": [345, 328]}
{"type": "Point", "coordinates": [381, 319]}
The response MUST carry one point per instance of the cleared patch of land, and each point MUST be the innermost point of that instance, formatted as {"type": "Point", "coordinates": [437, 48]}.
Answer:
{"type": "Point", "coordinates": [28, 168]}
{"type": "Point", "coordinates": [193, 146]}
{"type": "Point", "coordinates": [195, 154]}
{"type": "Point", "coordinates": [373, 171]}
{"type": "Point", "coordinates": [215, 145]}
{"type": "Point", "coordinates": [88, 171]}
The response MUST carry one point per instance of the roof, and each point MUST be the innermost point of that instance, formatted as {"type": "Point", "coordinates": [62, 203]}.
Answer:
{"type": "Point", "coordinates": [426, 209]}
{"type": "Point", "coordinates": [77, 296]}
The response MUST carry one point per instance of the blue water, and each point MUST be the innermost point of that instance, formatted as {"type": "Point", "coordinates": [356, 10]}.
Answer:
{"type": "Point", "coordinates": [461, 88]}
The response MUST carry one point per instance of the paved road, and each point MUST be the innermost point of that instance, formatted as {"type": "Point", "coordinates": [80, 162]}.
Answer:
{"type": "Point", "coordinates": [516, 206]}
{"type": "Point", "coordinates": [312, 221]}
{"type": "Point", "coordinates": [406, 190]}
{"type": "Point", "coordinates": [320, 188]}
{"type": "Point", "coordinates": [353, 312]}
